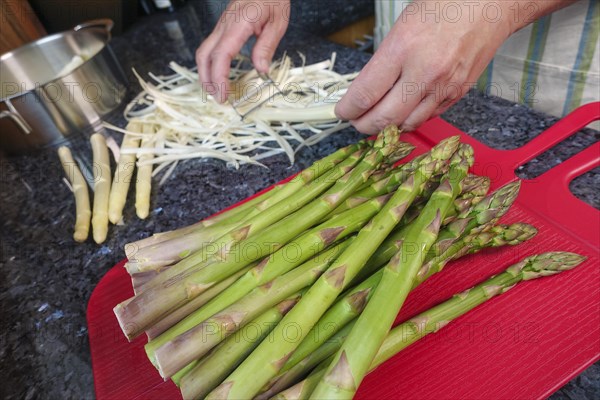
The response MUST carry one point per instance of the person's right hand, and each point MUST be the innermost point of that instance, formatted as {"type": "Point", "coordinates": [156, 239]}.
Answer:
{"type": "Point", "coordinates": [267, 20]}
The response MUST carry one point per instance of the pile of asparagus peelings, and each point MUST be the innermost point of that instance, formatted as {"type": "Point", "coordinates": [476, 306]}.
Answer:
{"type": "Point", "coordinates": [294, 293]}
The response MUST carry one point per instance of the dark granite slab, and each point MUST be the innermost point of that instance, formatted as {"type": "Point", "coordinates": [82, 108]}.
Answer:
{"type": "Point", "coordinates": [46, 280]}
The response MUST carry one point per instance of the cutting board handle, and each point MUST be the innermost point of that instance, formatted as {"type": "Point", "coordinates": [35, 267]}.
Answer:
{"type": "Point", "coordinates": [566, 127]}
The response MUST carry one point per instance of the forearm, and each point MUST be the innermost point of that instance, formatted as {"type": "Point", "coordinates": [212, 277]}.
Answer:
{"type": "Point", "coordinates": [524, 12]}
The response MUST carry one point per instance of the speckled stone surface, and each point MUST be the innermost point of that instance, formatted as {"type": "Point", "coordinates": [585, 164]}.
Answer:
{"type": "Point", "coordinates": [46, 279]}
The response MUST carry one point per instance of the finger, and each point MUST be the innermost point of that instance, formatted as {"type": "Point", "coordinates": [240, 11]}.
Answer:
{"type": "Point", "coordinates": [374, 81]}
{"type": "Point", "coordinates": [442, 108]}
{"type": "Point", "coordinates": [394, 108]}
{"type": "Point", "coordinates": [265, 46]}
{"type": "Point", "coordinates": [422, 112]}
{"type": "Point", "coordinates": [221, 57]}
{"type": "Point", "coordinates": [203, 59]}
{"type": "Point", "coordinates": [451, 98]}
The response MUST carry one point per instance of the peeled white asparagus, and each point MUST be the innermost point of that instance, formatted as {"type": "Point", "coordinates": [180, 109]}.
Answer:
{"type": "Point", "coordinates": [102, 180]}
{"type": "Point", "coordinates": [80, 191]}
{"type": "Point", "coordinates": [123, 176]}
{"type": "Point", "coordinates": [144, 176]}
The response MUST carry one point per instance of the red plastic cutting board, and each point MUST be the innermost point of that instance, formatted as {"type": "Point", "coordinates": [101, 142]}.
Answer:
{"type": "Point", "coordinates": [524, 344]}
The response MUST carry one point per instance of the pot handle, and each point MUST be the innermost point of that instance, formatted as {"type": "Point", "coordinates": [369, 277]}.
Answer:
{"type": "Point", "coordinates": [13, 114]}
{"type": "Point", "coordinates": [105, 23]}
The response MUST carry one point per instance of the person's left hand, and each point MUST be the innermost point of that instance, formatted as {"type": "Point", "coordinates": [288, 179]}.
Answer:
{"type": "Point", "coordinates": [422, 67]}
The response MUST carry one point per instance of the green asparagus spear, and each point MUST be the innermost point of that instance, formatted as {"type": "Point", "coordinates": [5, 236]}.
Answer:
{"type": "Point", "coordinates": [351, 362]}
{"type": "Point", "coordinates": [181, 288]}
{"type": "Point", "coordinates": [269, 357]}
{"type": "Point", "coordinates": [280, 262]}
{"type": "Point", "coordinates": [181, 246]}
{"type": "Point", "coordinates": [489, 210]}
{"type": "Point", "coordinates": [176, 353]}
{"type": "Point", "coordinates": [351, 304]}
{"type": "Point", "coordinates": [257, 222]}
{"type": "Point", "coordinates": [194, 274]}
{"type": "Point", "coordinates": [385, 182]}
{"type": "Point", "coordinates": [432, 320]}
{"type": "Point", "coordinates": [206, 374]}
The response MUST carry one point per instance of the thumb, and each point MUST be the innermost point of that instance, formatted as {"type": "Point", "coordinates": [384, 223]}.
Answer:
{"type": "Point", "coordinates": [265, 46]}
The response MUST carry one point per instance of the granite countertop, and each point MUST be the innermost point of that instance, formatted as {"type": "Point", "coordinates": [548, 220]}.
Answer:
{"type": "Point", "coordinates": [46, 279]}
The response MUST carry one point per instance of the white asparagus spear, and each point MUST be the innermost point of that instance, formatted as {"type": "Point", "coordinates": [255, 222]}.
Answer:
{"type": "Point", "coordinates": [144, 176]}
{"type": "Point", "coordinates": [123, 175]}
{"type": "Point", "coordinates": [80, 191]}
{"type": "Point", "coordinates": [101, 187]}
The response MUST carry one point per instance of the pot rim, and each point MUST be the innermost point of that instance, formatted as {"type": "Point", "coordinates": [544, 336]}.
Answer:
{"type": "Point", "coordinates": [104, 24]}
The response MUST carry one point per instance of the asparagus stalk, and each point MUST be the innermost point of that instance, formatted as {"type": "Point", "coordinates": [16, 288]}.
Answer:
{"type": "Point", "coordinates": [80, 191]}
{"type": "Point", "coordinates": [179, 247]}
{"type": "Point", "coordinates": [138, 313]}
{"type": "Point", "coordinates": [434, 319]}
{"type": "Point", "coordinates": [301, 368]}
{"type": "Point", "coordinates": [153, 259]}
{"type": "Point", "coordinates": [175, 354]}
{"type": "Point", "coordinates": [496, 236]}
{"type": "Point", "coordinates": [143, 183]}
{"type": "Point", "coordinates": [478, 218]}
{"type": "Point", "coordinates": [101, 187]}
{"type": "Point", "coordinates": [176, 316]}
{"type": "Point", "coordinates": [266, 361]}
{"type": "Point", "coordinates": [382, 182]}
{"type": "Point", "coordinates": [280, 262]}
{"type": "Point", "coordinates": [316, 346]}
{"type": "Point", "coordinates": [272, 214]}
{"type": "Point", "coordinates": [123, 176]}
{"type": "Point", "coordinates": [235, 214]}
{"type": "Point", "coordinates": [212, 369]}
{"type": "Point", "coordinates": [474, 190]}
{"type": "Point", "coordinates": [351, 362]}
{"type": "Point", "coordinates": [165, 294]}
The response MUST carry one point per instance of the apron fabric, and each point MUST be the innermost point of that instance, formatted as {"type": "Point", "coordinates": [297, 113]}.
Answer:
{"type": "Point", "coordinates": [551, 65]}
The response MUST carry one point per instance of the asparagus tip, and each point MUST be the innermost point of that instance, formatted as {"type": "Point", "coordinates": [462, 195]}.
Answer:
{"type": "Point", "coordinates": [546, 264]}
{"type": "Point", "coordinates": [445, 148]}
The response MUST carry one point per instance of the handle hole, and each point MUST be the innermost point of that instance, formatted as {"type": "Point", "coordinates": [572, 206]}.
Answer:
{"type": "Point", "coordinates": [585, 187]}
{"type": "Point", "coordinates": [559, 153]}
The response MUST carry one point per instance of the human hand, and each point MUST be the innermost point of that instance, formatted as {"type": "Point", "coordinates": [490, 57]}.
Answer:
{"type": "Point", "coordinates": [267, 20]}
{"type": "Point", "coordinates": [424, 65]}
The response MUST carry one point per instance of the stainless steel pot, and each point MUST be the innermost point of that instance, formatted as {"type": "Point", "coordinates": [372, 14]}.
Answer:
{"type": "Point", "coordinates": [58, 85]}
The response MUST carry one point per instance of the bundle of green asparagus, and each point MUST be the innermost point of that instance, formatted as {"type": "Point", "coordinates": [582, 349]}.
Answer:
{"type": "Point", "coordinates": [246, 304]}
